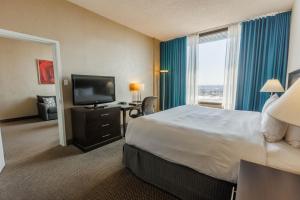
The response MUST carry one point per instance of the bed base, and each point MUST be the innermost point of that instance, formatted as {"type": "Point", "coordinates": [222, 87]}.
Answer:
{"type": "Point", "coordinates": [178, 180]}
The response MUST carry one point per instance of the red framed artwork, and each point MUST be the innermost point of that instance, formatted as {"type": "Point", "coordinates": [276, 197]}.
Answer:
{"type": "Point", "coordinates": [45, 71]}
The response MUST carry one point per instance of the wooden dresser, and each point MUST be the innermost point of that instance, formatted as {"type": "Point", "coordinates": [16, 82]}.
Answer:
{"type": "Point", "coordinates": [93, 128]}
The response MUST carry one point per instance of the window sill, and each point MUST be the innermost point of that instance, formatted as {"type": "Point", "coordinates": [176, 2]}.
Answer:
{"type": "Point", "coordinates": [210, 104]}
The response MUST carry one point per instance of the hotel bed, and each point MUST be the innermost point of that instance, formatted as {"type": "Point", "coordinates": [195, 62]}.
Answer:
{"type": "Point", "coordinates": [283, 156]}
{"type": "Point", "coordinates": [194, 152]}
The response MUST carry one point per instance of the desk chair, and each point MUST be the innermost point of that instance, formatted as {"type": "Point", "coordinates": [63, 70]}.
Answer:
{"type": "Point", "coordinates": [148, 107]}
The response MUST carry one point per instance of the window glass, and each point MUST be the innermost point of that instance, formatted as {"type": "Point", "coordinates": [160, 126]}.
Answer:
{"type": "Point", "coordinates": [212, 53]}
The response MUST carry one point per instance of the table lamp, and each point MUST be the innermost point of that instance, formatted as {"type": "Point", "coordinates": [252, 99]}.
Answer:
{"type": "Point", "coordinates": [287, 107]}
{"type": "Point", "coordinates": [134, 89]}
{"type": "Point", "coordinates": [272, 86]}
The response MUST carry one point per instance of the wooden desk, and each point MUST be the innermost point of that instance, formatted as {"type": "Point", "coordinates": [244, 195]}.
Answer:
{"type": "Point", "coordinates": [257, 182]}
{"type": "Point", "coordinates": [124, 109]}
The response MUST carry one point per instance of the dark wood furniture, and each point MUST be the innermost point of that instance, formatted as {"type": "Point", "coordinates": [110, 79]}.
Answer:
{"type": "Point", "coordinates": [124, 109]}
{"type": "Point", "coordinates": [135, 103]}
{"type": "Point", "coordinates": [93, 128]}
{"type": "Point", "coordinates": [264, 183]}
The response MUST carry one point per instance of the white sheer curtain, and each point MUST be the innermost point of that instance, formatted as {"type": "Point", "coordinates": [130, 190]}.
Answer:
{"type": "Point", "coordinates": [192, 74]}
{"type": "Point", "coordinates": [231, 67]}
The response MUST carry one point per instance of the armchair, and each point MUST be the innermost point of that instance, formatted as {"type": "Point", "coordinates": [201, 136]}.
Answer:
{"type": "Point", "coordinates": [47, 109]}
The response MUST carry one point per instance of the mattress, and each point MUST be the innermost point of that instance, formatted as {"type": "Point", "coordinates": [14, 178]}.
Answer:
{"type": "Point", "coordinates": [210, 141]}
{"type": "Point", "coordinates": [283, 156]}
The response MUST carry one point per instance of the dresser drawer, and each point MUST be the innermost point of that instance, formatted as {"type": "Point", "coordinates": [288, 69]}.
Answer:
{"type": "Point", "coordinates": [109, 133]}
{"type": "Point", "coordinates": [103, 123]}
{"type": "Point", "coordinates": [103, 115]}
{"type": "Point", "coordinates": [99, 127]}
{"type": "Point", "coordinates": [101, 134]}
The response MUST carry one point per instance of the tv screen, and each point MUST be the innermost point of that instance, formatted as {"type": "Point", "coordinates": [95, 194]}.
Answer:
{"type": "Point", "coordinates": [89, 90]}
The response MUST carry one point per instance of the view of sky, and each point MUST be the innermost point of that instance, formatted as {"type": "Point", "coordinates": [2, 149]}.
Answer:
{"type": "Point", "coordinates": [212, 62]}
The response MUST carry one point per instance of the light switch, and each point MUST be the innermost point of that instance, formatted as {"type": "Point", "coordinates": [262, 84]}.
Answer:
{"type": "Point", "coordinates": [66, 82]}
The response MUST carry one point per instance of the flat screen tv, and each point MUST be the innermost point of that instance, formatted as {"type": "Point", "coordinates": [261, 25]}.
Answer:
{"type": "Point", "coordinates": [93, 90]}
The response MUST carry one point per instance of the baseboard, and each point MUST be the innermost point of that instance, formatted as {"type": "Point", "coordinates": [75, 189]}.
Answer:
{"type": "Point", "coordinates": [19, 118]}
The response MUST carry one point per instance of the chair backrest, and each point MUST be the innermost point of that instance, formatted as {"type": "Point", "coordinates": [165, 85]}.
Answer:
{"type": "Point", "coordinates": [149, 105]}
{"type": "Point", "coordinates": [41, 100]}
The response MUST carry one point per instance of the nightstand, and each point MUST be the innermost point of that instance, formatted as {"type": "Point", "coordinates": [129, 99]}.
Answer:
{"type": "Point", "coordinates": [258, 182]}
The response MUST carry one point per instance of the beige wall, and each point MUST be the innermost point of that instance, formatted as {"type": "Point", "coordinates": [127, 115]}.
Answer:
{"type": "Point", "coordinates": [294, 56]}
{"type": "Point", "coordinates": [90, 44]}
{"type": "Point", "coordinates": [19, 77]}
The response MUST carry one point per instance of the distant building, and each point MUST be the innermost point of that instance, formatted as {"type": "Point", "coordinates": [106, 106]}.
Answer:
{"type": "Point", "coordinates": [210, 93]}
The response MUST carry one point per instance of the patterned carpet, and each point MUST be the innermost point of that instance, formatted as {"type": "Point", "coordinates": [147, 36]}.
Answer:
{"type": "Point", "coordinates": [39, 169]}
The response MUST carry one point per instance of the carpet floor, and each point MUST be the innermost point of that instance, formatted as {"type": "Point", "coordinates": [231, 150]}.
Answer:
{"type": "Point", "coordinates": [37, 168]}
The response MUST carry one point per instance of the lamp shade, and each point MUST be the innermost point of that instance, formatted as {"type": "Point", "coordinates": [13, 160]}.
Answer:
{"type": "Point", "coordinates": [272, 85]}
{"type": "Point", "coordinates": [287, 107]}
{"type": "Point", "coordinates": [134, 87]}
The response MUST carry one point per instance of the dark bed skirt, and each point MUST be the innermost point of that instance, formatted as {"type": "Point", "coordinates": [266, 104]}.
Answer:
{"type": "Point", "coordinates": [181, 181]}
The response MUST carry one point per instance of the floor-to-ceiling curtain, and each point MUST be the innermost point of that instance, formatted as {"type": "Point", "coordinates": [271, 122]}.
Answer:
{"type": "Point", "coordinates": [173, 58]}
{"type": "Point", "coordinates": [231, 66]}
{"type": "Point", "coordinates": [263, 55]}
{"type": "Point", "coordinates": [192, 73]}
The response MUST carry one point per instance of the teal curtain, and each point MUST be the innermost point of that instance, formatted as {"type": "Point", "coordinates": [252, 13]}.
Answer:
{"type": "Point", "coordinates": [173, 57]}
{"type": "Point", "coordinates": [263, 55]}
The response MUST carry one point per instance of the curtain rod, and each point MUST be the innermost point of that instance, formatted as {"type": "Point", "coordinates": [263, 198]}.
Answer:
{"type": "Point", "coordinates": [216, 29]}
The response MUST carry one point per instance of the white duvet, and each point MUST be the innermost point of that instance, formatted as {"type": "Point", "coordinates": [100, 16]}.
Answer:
{"type": "Point", "coordinates": [283, 156]}
{"type": "Point", "coordinates": [210, 141]}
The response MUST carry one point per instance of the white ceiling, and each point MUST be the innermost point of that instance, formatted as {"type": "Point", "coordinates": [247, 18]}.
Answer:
{"type": "Point", "coordinates": [166, 19]}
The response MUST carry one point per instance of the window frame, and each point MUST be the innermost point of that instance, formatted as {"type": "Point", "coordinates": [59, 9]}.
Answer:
{"type": "Point", "coordinates": [213, 32]}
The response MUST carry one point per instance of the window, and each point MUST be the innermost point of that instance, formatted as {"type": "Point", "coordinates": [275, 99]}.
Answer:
{"type": "Point", "coordinates": [212, 53]}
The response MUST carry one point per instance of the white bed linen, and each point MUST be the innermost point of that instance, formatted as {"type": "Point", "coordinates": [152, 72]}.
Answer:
{"type": "Point", "coordinates": [210, 141]}
{"type": "Point", "coordinates": [283, 156]}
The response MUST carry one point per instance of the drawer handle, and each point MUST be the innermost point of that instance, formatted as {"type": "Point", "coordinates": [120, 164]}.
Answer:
{"type": "Point", "coordinates": [104, 136]}
{"type": "Point", "coordinates": [104, 125]}
{"type": "Point", "coordinates": [104, 115]}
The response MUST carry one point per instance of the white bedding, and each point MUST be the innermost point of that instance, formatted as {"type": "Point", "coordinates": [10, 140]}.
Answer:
{"type": "Point", "coordinates": [210, 141]}
{"type": "Point", "coordinates": [283, 156]}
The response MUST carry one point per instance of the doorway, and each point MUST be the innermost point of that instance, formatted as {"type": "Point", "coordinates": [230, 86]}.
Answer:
{"type": "Point", "coordinates": [55, 47]}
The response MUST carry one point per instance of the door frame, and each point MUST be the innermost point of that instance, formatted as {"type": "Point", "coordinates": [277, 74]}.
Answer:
{"type": "Point", "coordinates": [57, 74]}
{"type": "Point", "coordinates": [2, 160]}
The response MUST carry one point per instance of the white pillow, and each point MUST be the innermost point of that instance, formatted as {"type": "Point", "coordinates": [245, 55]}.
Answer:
{"type": "Point", "coordinates": [50, 101]}
{"type": "Point", "coordinates": [293, 136]}
{"type": "Point", "coordinates": [269, 102]}
{"type": "Point", "coordinates": [273, 129]}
